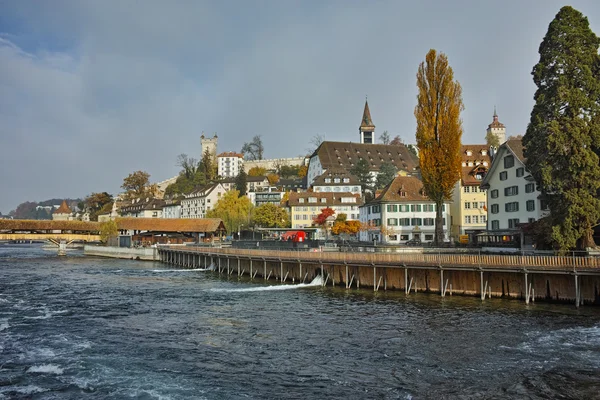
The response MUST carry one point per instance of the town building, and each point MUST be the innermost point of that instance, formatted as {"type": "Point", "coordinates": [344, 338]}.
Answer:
{"type": "Point", "coordinates": [336, 180]}
{"type": "Point", "coordinates": [269, 196]}
{"type": "Point", "coordinates": [172, 208]}
{"type": "Point", "coordinates": [197, 203]}
{"type": "Point", "coordinates": [305, 206]}
{"type": "Point", "coordinates": [253, 183]}
{"type": "Point", "coordinates": [512, 196]}
{"type": "Point", "coordinates": [230, 164]}
{"type": "Point", "coordinates": [62, 213]}
{"type": "Point", "coordinates": [143, 208]}
{"type": "Point", "coordinates": [345, 155]}
{"type": "Point", "coordinates": [469, 203]}
{"type": "Point", "coordinates": [402, 212]}
{"type": "Point", "coordinates": [292, 184]}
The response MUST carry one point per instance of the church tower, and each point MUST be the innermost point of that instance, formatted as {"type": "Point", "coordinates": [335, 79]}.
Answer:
{"type": "Point", "coordinates": [367, 129]}
{"type": "Point", "coordinates": [497, 129]}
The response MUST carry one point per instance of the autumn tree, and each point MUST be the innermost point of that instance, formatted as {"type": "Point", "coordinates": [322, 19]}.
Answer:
{"type": "Point", "coordinates": [273, 179]}
{"type": "Point", "coordinates": [387, 173]}
{"type": "Point", "coordinates": [253, 150]}
{"type": "Point", "coordinates": [269, 215]}
{"type": "Point", "coordinates": [191, 176]}
{"type": "Point", "coordinates": [241, 182]}
{"type": "Point", "coordinates": [137, 184]}
{"type": "Point", "coordinates": [342, 226]}
{"type": "Point", "coordinates": [562, 141]}
{"type": "Point", "coordinates": [385, 137]}
{"type": "Point", "coordinates": [396, 141]}
{"type": "Point", "coordinates": [108, 230]}
{"type": "Point", "coordinates": [97, 202]}
{"type": "Point", "coordinates": [439, 131]}
{"type": "Point", "coordinates": [233, 209]}
{"type": "Point", "coordinates": [286, 171]}
{"type": "Point", "coordinates": [321, 219]}
{"type": "Point", "coordinates": [492, 140]}
{"type": "Point", "coordinates": [257, 171]}
{"type": "Point", "coordinates": [302, 171]}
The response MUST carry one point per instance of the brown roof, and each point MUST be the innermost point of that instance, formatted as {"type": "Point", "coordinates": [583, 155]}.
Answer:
{"type": "Point", "coordinates": [516, 145]}
{"type": "Point", "coordinates": [468, 173]}
{"type": "Point", "coordinates": [403, 188]}
{"type": "Point", "coordinates": [171, 224]}
{"type": "Point", "coordinates": [331, 199]}
{"type": "Point", "coordinates": [48, 225]}
{"type": "Point", "coordinates": [333, 173]}
{"type": "Point", "coordinates": [366, 121]}
{"type": "Point", "coordinates": [63, 209]}
{"type": "Point", "coordinates": [495, 123]}
{"type": "Point", "coordinates": [346, 154]}
{"type": "Point", "coordinates": [231, 154]}
{"type": "Point", "coordinates": [143, 204]}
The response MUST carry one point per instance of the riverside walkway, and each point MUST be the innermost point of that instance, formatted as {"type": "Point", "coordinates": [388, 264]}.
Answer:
{"type": "Point", "coordinates": [559, 278]}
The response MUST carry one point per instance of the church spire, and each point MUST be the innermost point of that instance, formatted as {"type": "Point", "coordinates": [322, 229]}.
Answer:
{"type": "Point", "coordinates": [366, 128]}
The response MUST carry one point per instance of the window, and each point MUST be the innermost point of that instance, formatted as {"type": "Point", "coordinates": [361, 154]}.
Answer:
{"type": "Point", "coordinates": [475, 204]}
{"type": "Point", "coordinates": [543, 205]}
{"type": "Point", "coordinates": [327, 180]}
{"type": "Point", "coordinates": [403, 237]}
{"type": "Point", "coordinates": [312, 199]}
{"type": "Point", "coordinates": [428, 207]}
{"type": "Point", "coordinates": [495, 224]}
{"type": "Point", "coordinates": [405, 221]}
{"type": "Point", "coordinates": [494, 194]}
{"type": "Point", "coordinates": [512, 206]}
{"type": "Point", "coordinates": [511, 191]}
{"type": "Point", "coordinates": [428, 237]}
{"type": "Point", "coordinates": [482, 204]}
{"type": "Point", "coordinates": [428, 221]}
{"type": "Point", "coordinates": [520, 172]}
{"type": "Point", "coordinates": [336, 180]}
{"type": "Point", "coordinates": [346, 180]}
{"type": "Point", "coordinates": [393, 238]}
{"type": "Point", "coordinates": [509, 161]}
{"type": "Point", "coordinates": [466, 189]}
{"type": "Point", "coordinates": [392, 208]}
{"type": "Point", "coordinates": [300, 200]}
{"type": "Point", "coordinates": [415, 207]}
{"type": "Point", "coordinates": [467, 205]}
{"type": "Point", "coordinates": [512, 223]}
{"type": "Point", "coordinates": [475, 219]}
{"type": "Point", "coordinates": [392, 221]}
{"type": "Point", "coordinates": [323, 200]}
{"type": "Point", "coordinates": [404, 208]}
{"type": "Point", "coordinates": [503, 175]}
{"type": "Point", "coordinates": [495, 209]}
{"type": "Point", "coordinates": [530, 205]}
{"type": "Point", "coordinates": [531, 220]}
{"type": "Point", "coordinates": [483, 219]}
{"type": "Point", "coordinates": [467, 219]}
{"type": "Point", "coordinates": [530, 188]}
{"type": "Point", "coordinates": [416, 221]}
{"type": "Point", "coordinates": [475, 189]}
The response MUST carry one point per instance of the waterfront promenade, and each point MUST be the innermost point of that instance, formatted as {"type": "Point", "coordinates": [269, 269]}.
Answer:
{"type": "Point", "coordinates": [529, 277]}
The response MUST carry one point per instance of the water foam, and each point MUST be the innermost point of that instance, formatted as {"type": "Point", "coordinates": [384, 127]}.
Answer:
{"type": "Point", "coordinates": [46, 369]}
{"type": "Point", "coordinates": [181, 270]}
{"type": "Point", "coordinates": [318, 281]}
{"type": "Point", "coordinates": [4, 324]}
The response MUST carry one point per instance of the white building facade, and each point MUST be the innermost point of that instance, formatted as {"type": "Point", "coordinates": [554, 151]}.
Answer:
{"type": "Point", "coordinates": [202, 200]}
{"type": "Point", "coordinates": [512, 196]}
{"type": "Point", "coordinates": [402, 212]}
{"type": "Point", "coordinates": [230, 164]}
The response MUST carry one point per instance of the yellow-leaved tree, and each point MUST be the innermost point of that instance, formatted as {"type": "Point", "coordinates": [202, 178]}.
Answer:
{"type": "Point", "coordinates": [439, 131]}
{"type": "Point", "coordinates": [234, 210]}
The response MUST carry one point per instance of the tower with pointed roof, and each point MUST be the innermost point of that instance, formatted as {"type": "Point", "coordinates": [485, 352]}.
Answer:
{"type": "Point", "coordinates": [62, 213]}
{"type": "Point", "coordinates": [497, 128]}
{"type": "Point", "coordinates": [367, 129]}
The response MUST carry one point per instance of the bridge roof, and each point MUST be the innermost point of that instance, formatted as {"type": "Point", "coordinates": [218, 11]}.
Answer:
{"type": "Point", "coordinates": [172, 224]}
{"type": "Point", "coordinates": [46, 225]}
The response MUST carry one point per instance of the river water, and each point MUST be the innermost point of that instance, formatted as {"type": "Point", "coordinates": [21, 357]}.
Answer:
{"type": "Point", "coordinates": [77, 327]}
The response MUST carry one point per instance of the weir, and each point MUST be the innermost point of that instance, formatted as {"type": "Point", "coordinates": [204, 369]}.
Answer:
{"type": "Point", "coordinates": [529, 278]}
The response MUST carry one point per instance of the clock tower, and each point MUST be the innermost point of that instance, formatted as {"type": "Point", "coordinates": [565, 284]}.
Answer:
{"type": "Point", "coordinates": [367, 129]}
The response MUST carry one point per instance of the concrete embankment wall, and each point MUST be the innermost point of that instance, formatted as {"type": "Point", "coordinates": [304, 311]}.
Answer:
{"type": "Point", "coordinates": [550, 286]}
{"type": "Point", "coordinates": [142, 253]}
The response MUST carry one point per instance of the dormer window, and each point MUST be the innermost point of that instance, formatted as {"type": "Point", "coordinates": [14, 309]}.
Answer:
{"type": "Point", "coordinates": [312, 199]}
{"type": "Point", "coordinates": [485, 163]}
{"type": "Point", "coordinates": [484, 152]}
{"type": "Point", "coordinates": [469, 153]}
{"type": "Point", "coordinates": [464, 164]}
{"type": "Point", "coordinates": [402, 193]}
{"type": "Point", "coordinates": [323, 200]}
{"type": "Point", "coordinates": [327, 180]}
{"type": "Point", "coordinates": [336, 180]}
{"type": "Point", "coordinates": [346, 180]}
{"type": "Point", "coordinates": [470, 163]}
{"type": "Point", "coordinates": [300, 200]}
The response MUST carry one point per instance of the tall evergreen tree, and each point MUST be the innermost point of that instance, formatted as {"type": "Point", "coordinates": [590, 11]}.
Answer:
{"type": "Point", "coordinates": [240, 182]}
{"type": "Point", "coordinates": [439, 131]}
{"type": "Point", "coordinates": [362, 173]}
{"type": "Point", "coordinates": [563, 135]}
{"type": "Point", "coordinates": [387, 173]}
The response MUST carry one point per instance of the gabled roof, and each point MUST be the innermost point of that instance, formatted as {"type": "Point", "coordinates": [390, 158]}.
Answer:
{"type": "Point", "coordinates": [63, 209]}
{"type": "Point", "coordinates": [143, 204]}
{"type": "Point", "coordinates": [202, 191]}
{"type": "Point", "coordinates": [402, 188]}
{"type": "Point", "coordinates": [333, 173]}
{"type": "Point", "coordinates": [347, 154]}
{"type": "Point", "coordinates": [366, 121]}
{"type": "Point", "coordinates": [512, 146]}
{"type": "Point", "coordinates": [171, 224]}
{"type": "Point", "coordinates": [231, 154]}
{"type": "Point", "coordinates": [476, 159]}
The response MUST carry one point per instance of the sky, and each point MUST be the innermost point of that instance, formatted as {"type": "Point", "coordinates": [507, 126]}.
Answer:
{"type": "Point", "coordinates": [91, 91]}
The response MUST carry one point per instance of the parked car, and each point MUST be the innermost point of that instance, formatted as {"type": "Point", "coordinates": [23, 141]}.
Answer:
{"type": "Point", "coordinates": [414, 242]}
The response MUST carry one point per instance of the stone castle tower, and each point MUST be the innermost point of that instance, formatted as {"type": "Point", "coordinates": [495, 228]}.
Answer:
{"type": "Point", "coordinates": [209, 144]}
{"type": "Point", "coordinates": [367, 129]}
{"type": "Point", "coordinates": [497, 129]}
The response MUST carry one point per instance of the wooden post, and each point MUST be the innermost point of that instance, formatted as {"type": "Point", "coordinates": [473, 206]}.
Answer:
{"type": "Point", "coordinates": [576, 291]}
{"type": "Point", "coordinates": [442, 291]}
{"type": "Point", "coordinates": [405, 280]}
{"type": "Point", "coordinates": [526, 290]}
{"type": "Point", "coordinates": [482, 292]}
{"type": "Point", "coordinates": [347, 276]}
{"type": "Point", "coordinates": [374, 278]}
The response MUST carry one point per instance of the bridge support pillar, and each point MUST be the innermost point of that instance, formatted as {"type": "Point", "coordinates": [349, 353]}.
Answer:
{"type": "Point", "coordinates": [62, 248]}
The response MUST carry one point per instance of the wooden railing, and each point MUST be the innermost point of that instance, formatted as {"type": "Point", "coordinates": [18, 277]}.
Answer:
{"type": "Point", "coordinates": [543, 262]}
